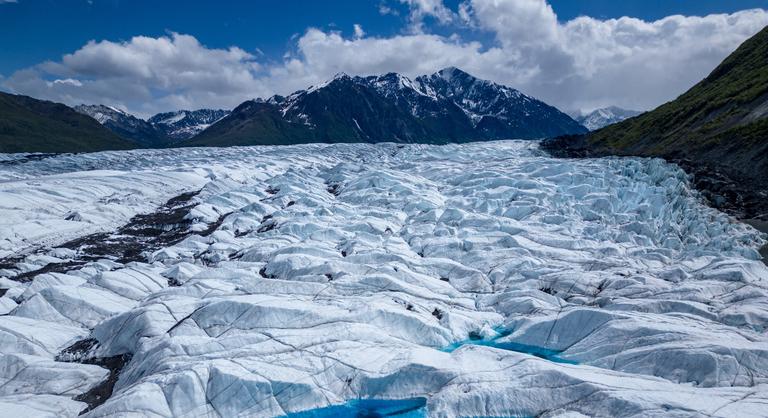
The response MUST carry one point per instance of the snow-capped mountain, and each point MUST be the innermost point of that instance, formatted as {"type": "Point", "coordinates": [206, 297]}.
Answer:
{"type": "Point", "coordinates": [603, 117]}
{"type": "Point", "coordinates": [185, 124]}
{"type": "Point", "coordinates": [160, 130]}
{"type": "Point", "coordinates": [103, 114]}
{"type": "Point", "coordinates": [448, 106]}
{"type": "Point", "coordinates": [124, 124]}
{"type": "Point", "coordinates": [496, 110]}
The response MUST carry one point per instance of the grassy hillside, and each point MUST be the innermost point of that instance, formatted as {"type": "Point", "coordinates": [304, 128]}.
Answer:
{"type": "Point", "coordinates": [717, 130]}
{"type": "Point", "coordinates": [720, 122]}
{"type": "Point", "coordinates": [31, 125]}
{"type": "Point", "coordinates": [251, 124]}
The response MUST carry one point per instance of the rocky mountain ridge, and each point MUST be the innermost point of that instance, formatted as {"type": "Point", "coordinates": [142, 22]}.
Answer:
{"type": "Point", "coordinates": [447, 106]}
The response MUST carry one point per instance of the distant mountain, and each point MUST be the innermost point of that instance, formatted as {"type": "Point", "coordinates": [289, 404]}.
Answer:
{"type": "Point", "coordinates": [160, 130]}
{"type": "Point", "coordinates": [125, 125]}
{"type": "Point", "coordinates": [718, 130]}
{"type": "Point", "coordinates": [497, 111]}
{"type": "Point", "coordinates": [31, 125]}
{"type": "Point", "coordinates": [601, 118]}
{"type": "Point", "coordinates": [448, 106]}
{"type": "Point", "coordinates": [185, 124]}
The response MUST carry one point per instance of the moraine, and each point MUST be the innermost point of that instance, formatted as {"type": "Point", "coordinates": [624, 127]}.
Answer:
{"type": "Point", "coordinates": [324, 279]}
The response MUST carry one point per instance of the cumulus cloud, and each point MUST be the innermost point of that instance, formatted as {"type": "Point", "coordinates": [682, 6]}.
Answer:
{"type": "Point", "coordinates": [519, 22]}
{"type": "Point", "coordinates": [576, 65]}
{"type": "Point", "coordinates": [384, 10]}
{"type": "Point", "coordinates": [69, 81]}
{"type": "Point", "coordinates": [581, 64]}
{"type": "Point", "coordinates": [145, 75]}
{"type": "Point", "coordinates": [358, 30]}
{"type": "Point", "coordinates": [421, 9]}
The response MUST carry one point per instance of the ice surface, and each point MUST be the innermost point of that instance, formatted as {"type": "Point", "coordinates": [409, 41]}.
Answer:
{"type": "Point", "coordinates": [483, 279]}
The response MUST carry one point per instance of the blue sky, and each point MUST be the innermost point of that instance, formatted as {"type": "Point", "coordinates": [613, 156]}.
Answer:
{"type": "Point", "coordinates": [271, 33]}
{"type": "Point", "coordinates": [38, 30]}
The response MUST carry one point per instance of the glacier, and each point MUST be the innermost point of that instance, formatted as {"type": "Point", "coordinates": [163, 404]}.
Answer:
{"type": "Point", "coordinates": [482, 279]}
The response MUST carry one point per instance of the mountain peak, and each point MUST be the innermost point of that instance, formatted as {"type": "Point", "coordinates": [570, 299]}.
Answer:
{"type": "Point", "coordinates": [157, 131]}
{"type": "Point", "coordinates": [448, 106]}
{"type": "Point", "coordinates": [102, 113]}
{"type": "Point", "coordinates": [341, 76]}
{"type": "Point", "coordinates": [124, 124]}
{"type": "Point", "coordinates": [605, 116]}
{"type": "Point", "coordinates": [451, 73]}
{"type": "Point", "coordinates": [184, 124]}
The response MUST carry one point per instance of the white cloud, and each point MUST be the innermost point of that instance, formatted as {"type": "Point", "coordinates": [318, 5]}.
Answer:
{"type": "Point", "coordinates": [359, 32]}
{"type": "Point", "coordinates": [580, 64]}
{"type": "Point", "coordinates": [420, 9]}
{"type": "Point", "coordinates": [517, 23]}
{"type": "Point", "coordinates": [577, 65]}
{"type": "Point", "coordinates": [465, 13]}
{"type": "Point", "coordinates": [384, 9]}
{"type": "Point", "coordinates": [325, 53]}
{"type": "Point", "coordinates": [67, 81]}
{"type": "Point", "coordinates": [146, 75]}
{"type": "Point", "coordinates": [586, 62]}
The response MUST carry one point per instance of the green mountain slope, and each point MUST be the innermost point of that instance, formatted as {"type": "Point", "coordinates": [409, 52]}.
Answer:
{"type": "Point", "coordinates": [252, 123]}
{"type": "Point", "coordinates": [719, 127]}
{"type": "Point", "coordinates": [31, 125]}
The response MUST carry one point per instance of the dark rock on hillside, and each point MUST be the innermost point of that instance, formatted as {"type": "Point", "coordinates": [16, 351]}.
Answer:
{"type": "Point", "coordinates": [448, 106]}
{"type": "Point", "coordinates": [497, 111]}
{"type": "Point", "coordinates": [600, 118]}
{"type": "Point", "coordinates": [184, 124]}
{"type": "Point", "coordinates": [125, 125]}
{"type": "Point", "coordinates": [161, 130]}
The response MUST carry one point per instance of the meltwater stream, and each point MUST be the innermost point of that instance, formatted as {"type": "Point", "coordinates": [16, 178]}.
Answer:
{"type": "Point", "coordinates": [369, 408]}
{"type": "Point", "coordinates": [483, 279]}
{"type": "Point", "coordinates": [498, 341]}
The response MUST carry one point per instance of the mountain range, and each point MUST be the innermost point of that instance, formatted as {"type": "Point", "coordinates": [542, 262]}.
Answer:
{"type": "Point", "coordinates": [600, 118]}
{"type": "Point", "coordinates": [184, 124]}
{"type": "Point", "coordinates": [447, 106]}
{"type": "Point", "coordinates": [161, 130]}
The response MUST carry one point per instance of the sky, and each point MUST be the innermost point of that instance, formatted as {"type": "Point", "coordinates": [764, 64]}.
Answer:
{"type": "Point", "coordinates": [151, 56]}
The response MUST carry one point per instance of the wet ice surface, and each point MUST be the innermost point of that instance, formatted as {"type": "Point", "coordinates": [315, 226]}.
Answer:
{"type": "Point", "coordinates": [369, 408]}
{"type": "Point", "coordinates": [317, 279]}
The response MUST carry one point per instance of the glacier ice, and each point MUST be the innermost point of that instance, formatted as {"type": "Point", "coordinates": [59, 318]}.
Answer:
{"type": "Point", "coordinates": [483, 279]}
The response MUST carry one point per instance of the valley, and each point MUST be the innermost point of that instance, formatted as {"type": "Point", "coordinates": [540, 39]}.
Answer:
{"type": "Point", "coordinates": [482, 279]}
